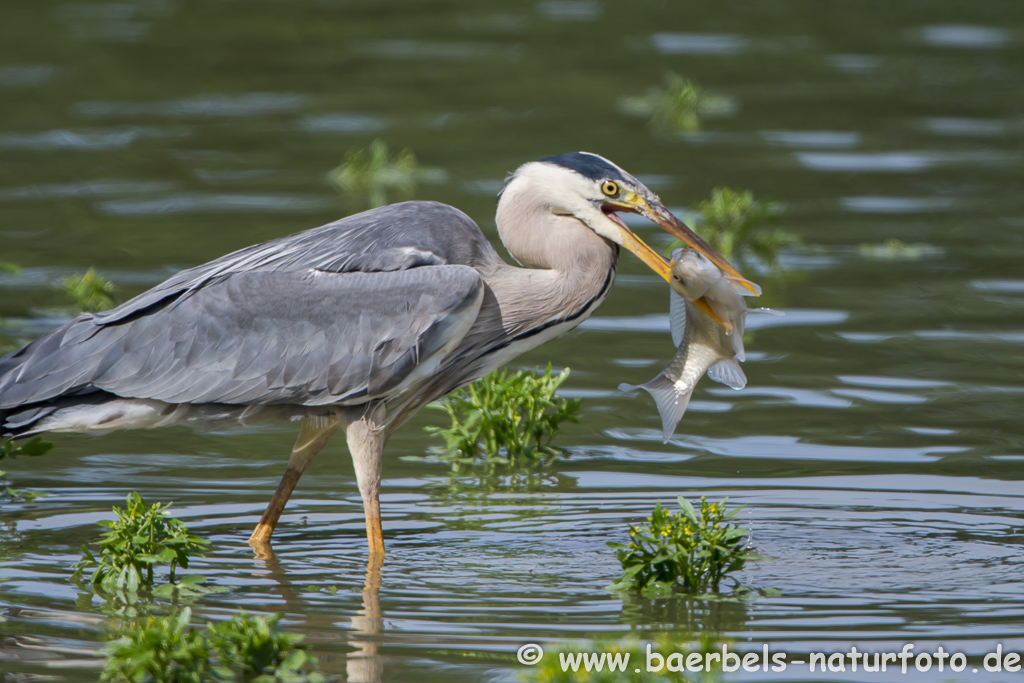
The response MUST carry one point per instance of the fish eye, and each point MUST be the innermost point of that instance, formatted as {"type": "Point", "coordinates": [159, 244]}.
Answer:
{"type": "Point", "coordinates": [610, 188]}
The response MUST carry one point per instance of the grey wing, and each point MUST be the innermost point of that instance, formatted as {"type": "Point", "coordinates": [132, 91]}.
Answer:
{"type": "Point", "coordinates": [389, 238]}
{"type": "Point", "coordinates": [296, 337]}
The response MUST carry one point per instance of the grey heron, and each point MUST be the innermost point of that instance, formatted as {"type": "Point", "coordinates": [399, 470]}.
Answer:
{"type": "Point", "coordinates": [354, 325]}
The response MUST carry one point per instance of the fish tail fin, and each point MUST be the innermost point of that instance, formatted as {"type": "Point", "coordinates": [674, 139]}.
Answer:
{"type": "Point", "coordinates": [670, 399]}
{"type": "Point", "coordinates": [729, 373]}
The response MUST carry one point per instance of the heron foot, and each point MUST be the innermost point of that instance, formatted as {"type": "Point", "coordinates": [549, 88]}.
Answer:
{"type": "Point", "coordinates": [313, 436]}
{"type": "Point", "coordinates": [261, 536]}
{"type": "Point", "coordinates": [262, 549]}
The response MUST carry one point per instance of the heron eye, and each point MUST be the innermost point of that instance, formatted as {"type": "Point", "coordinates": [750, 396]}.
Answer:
{"type": "Point", "coordinates": [609, 188]}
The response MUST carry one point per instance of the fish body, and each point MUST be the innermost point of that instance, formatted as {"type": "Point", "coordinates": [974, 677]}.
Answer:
{"type": "Point", "coordinates": [696, 279]}
{"type": "Point", "coordinates": [704, 345]}
{"type": "Point", "coordinates": [707, 315]}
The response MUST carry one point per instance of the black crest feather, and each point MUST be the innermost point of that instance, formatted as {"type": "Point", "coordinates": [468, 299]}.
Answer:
{"type": "Point", "coordinates": [588, 165]}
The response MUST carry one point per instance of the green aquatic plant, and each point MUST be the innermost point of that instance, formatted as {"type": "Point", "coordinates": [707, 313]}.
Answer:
{"type": "Point", "coordinates": [91, 292]}
{"type": "Point", "coordinates": [254, 648]}
{"type": "Point", "coordinates": [160, 650]}
{"type": "Point", "coordinates": [691, 550]}
{"type": "Point", "coordinates": [895, 250]}
{"type": "Point", "coordinates": [506, 417]}
{"type": "Point", "coordinates": [246, 648]}
{"type": "Point", "coordinates": [735, 224]}
{"type": "Point", "coordinates": [371, 174]}
{"type": "Point", "coordinates": [679, 105]}
{"type": "Point", "coordinates": [141, 539]}
{"type": "Point", "coordinates": [33, 448]}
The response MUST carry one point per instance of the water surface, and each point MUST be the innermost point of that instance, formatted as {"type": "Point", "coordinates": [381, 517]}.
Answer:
{"type": "Point", "coordinates": [878, 445]}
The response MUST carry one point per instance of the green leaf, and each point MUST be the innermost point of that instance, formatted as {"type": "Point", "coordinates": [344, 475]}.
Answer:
{"type": "Point", "coordinates": [505, 418]}
{"type": "Point", "coordinates": [35, 447]}
{"type": "Point", "coordinates": [164, 590]}
{"type": "Point", "coordinates": [690, 550]}
{"type": "Point", "coordinates": [90, 291]}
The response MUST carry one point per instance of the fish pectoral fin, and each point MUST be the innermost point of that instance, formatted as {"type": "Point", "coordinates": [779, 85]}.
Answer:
{"type": "Point", "coordinates": [677, 318]}
{"type": "Point", "coordinates": [704, 305]}
{"type": "Point", "coordinates": [744, 286]}
{"type": "Point", "coordinates": [671, 400]}
{"type": "Point", "coordinates": [729, 373]}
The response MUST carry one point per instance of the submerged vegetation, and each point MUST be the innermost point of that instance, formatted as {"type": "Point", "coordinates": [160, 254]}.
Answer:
{"type": "Point", "coordinates": [246, 648]}
{"type": "Point", "coordinates": [167, 649]}
{"type": "Point", "coordinates": [690, 551]}
{"type": "Point", "coordinates": [679, 105]}
{"type": "Point", "coordinates": [896, 250]}
{"type": "Point", "coordinates": [91, 292]}
{"type": "Point", "coordinates": [735, 224]}
{"type": "Point", "coordinates": [141, 539]}
{"type": "Point", "coordinates": [33, 448]}
{"type": "Point", "coordinates": [505, 417]}
{"type": "Point", "coordinates": [373, 174]}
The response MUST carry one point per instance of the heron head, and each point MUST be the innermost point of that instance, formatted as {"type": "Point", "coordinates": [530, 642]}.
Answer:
{"type": "Point", "coordinates": [593, 190]}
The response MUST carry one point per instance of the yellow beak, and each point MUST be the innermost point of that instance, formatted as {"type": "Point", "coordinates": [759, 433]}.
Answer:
{"type": "Point", "coordinates": [662, 217]}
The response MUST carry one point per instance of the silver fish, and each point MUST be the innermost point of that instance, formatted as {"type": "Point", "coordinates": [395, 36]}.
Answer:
{"type": "Point", "coordinates": [707, 316]}
{"type": "Point", "coordinates": [698, 280]}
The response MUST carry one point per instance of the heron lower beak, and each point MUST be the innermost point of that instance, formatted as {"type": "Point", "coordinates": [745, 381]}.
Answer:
{"type": "Point", "coordinates": [662, 217]}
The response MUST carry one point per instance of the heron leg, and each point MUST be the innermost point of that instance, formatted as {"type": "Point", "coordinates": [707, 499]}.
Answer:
{"type": "Point", "coordinates": [313, 436]}
{"type": "Point", "coordinates": [366, 437]}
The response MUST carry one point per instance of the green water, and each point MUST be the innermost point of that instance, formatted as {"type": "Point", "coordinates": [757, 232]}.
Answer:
{"type": "Point", "coordinates": [877, 445]}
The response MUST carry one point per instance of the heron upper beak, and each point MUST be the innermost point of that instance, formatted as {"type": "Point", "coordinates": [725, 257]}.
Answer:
{"type": "Point", "coordinates": [658, 214]}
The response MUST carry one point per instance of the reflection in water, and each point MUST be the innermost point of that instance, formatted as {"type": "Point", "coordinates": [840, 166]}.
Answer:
{"type": "Point", "coordinates": [687, 613]}
{"type": "Point", "coordinates": [365, 665]}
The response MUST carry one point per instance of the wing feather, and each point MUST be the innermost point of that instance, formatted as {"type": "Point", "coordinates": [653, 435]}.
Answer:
{"type": "Point", "coordinates": [264, 337]}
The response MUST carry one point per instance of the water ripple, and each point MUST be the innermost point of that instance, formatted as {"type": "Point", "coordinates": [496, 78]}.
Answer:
{"type": "Point", "coordinates": [217, 105]}
{"type": "Point", "coordinates": [24, 75]}
{"type": "Point", "coordinates": [570, 10]}
{"type": "Point", "coordinates": [896, 162]}
{"type": "Point", "coordinates": [88, 188]}
{"type": "Point", "coordinates": [344, 123]}
{"type": "Point", "coordinates": [896, 204]}
{"type": "Point", "coordinates": [214, 203]}
{"type": "Point", "coordinates": [699, 43]}
{"type": "Point", "coordinates": [964, 36]}
{"type": "Point", "coordinates": [87, 140]}
{"type": "Point", "coordinates": [418, 49]}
